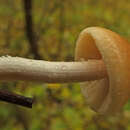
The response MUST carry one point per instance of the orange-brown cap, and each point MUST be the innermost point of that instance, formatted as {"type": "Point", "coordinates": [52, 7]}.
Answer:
{"type": "Point", "coordinates": [107, 95]}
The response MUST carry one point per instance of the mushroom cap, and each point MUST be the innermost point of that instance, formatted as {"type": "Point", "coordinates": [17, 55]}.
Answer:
{"type": "Point", "coordinates": [108, 95]}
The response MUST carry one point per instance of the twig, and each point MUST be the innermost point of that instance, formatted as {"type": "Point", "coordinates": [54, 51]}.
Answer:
{"type": "Point", "coordinates": [30, 28]}
{"type": "Point", "coordinates": [15, 99]}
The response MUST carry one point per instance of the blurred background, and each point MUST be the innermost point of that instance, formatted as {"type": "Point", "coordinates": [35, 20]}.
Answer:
{"type": "Point", "coordinates": [48, 30]}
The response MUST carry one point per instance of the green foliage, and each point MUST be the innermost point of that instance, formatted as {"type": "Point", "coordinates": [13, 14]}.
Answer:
{"type": "Point", "coordinates": [57, 25]}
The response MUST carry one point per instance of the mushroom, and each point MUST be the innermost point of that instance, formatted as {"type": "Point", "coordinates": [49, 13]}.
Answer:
{"type": "Point", "coordinates": [102, 65]}
{"type": "Point", "coordinates": [109, 94]}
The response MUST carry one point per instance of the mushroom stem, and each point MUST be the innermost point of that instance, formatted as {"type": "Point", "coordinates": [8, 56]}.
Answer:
{"type": "Point", "coordinates": [16, 68]}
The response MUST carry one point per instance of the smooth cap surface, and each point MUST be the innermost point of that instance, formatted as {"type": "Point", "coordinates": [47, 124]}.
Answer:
{"type": "Point", "coordinates": [107, 95]}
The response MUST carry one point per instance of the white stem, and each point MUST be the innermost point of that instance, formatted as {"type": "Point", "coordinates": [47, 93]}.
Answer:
{"type": "Point", "coordinates": [16, 68]}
